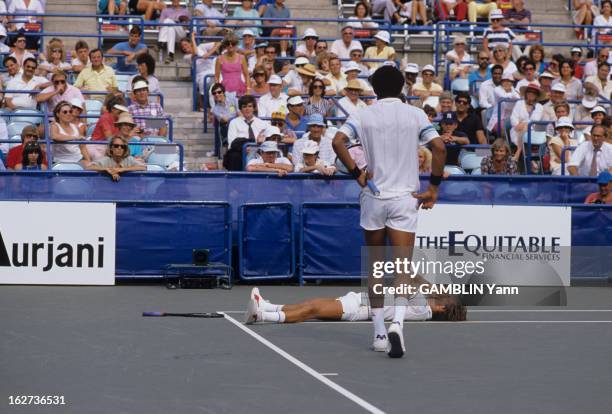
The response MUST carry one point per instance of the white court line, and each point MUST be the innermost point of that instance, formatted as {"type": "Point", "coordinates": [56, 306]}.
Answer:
{"type": "Point", "coordinates": [329, 374]}
{"type": "Point", "coordinates": [357, 400]}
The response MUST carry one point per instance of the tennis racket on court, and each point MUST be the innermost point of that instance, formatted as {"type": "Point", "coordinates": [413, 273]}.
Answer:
{"type": "Point", "coordinates": [184, 315]}
{"type": "Point", "coordinates": [358, 156]}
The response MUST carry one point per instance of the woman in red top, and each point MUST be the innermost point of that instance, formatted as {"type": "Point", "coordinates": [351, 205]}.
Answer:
{"type": "Point", "coordinates": [105, 127]}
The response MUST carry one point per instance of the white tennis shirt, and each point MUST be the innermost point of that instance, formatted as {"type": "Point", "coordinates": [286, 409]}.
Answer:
{"type": "Point", "coordinates": [391, 133]}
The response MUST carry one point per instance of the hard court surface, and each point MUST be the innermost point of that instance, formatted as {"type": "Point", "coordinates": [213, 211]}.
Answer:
{"type": "Point", "coordinates": [92, 346]}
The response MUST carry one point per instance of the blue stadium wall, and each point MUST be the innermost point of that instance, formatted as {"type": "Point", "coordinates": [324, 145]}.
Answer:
{"type": "Point", "coordinates": [263, 220]}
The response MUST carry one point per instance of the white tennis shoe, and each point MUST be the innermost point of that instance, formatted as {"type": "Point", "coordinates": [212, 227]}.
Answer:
{"type": "Point", "coordinates": [380, 343]}
{"type": "Point", "coordinates": [396, 347]}
{"type": "Point", "coordinates": [250, 316]}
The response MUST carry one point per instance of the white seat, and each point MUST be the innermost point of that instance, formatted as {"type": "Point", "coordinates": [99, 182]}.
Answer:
{"type": "Point", "coordinates": [67, 166]}
{"type": "Point", "coordinates": [453, 170]}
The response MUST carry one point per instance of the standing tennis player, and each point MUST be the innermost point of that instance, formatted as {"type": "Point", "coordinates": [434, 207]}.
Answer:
{"type": "Point", "coordinates": [390, 132]}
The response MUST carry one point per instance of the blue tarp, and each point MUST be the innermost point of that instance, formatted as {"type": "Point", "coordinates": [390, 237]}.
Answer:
{"type": "Point", "coordinates": [265, 241]}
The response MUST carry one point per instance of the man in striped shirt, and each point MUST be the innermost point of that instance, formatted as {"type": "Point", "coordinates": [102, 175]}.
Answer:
{"type": "Point", "coordinates": [497, 34]}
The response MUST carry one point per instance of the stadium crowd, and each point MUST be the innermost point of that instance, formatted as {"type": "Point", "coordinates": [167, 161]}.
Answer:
{"type": "Point", "coordinates": [286, 100]}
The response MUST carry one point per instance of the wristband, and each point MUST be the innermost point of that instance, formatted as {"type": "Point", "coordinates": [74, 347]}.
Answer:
{"type": "Point", "coordinates": [435, 179]}
{"type": "Point", "coordinates": [356, 172]}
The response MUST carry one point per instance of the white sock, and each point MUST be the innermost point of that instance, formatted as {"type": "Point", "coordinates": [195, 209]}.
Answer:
{"type": "Point", "coordinates": [278, 317]}
{"type": "Point", "coordinates": [271, 307]}
{"type": "Point", "coordinates": [378, 317]}
{"type": "Point", "coordinates": [400, 310]}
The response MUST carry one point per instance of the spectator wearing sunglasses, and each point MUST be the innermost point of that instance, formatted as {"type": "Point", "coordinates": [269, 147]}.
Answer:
{"type": "Point", "coordinates": [27, 81]}
{"type": "Point", "coordinates": [117, 160]}
{"type": "Point", "coordinates": [32, 158]}
{"type": "Point", "coordinates": [15, 155]}
{"type": "Point", "coordinates": [225, 108]}
{"type": "Point", "coordinates": [55, 61]}
{"type": "Point", "coordinates": [59, 91]}
{"type": "Point", "coordinates": [20, 52]}
{"type": "Point", "coordinates": [63, 130]}
{"type": "Point", "coordinates": [316, 102]}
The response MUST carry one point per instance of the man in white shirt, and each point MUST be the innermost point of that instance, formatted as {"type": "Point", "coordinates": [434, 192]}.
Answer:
{"type": "Point", "coordinates": [592, 157]}
{"type": "Point", "coordinates": [351, 102]}
{"type": "Point", "coordinates": [25, 82]}
{"type": "Point", "coordinates": [335, 76]}
{"type": "Point", "coordinates": [600, 82]}
{"type": "Point", "coordinates": [590, 68]}
{"type": "Point", "coordinates": [307, 48]}
{"type": "Point", "coordinates": [247, 125]}
{"type": "Point", "coordinates": [391, 133]}
{"type": "Point", "coordinates": [317, 133]}
{"type": "Point", "coordinates": [486, 96]}
{"type": "Point", "coordinates": [273, 101]}
{"type": "Point", "coordinates": [342, 47]}
{"type": "Point", "coordinates": [292, 79]}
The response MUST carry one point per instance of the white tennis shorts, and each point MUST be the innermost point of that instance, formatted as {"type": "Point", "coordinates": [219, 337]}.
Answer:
{"type": "Point", "coordinates": [352, 308]}
{"type": "Point", "coordinates": [398, 213]}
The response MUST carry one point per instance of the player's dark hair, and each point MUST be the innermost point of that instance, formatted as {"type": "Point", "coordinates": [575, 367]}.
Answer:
{"type": "Point", "coordinates": [387, 82]}
{"type": "Point", "coordinates": [453, 309]}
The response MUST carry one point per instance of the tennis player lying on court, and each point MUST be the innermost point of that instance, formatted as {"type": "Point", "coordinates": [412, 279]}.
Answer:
{"type": "Point", "coordinates": [351, 307]}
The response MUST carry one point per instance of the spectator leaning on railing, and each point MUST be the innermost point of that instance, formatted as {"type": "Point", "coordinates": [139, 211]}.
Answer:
{"type": "Point", "coordinates": [27, 81]}
{"type": "Point", "coordinates": [15, 154]}
{"type": "Point", "coordinates": [141, 106]}
{"type": "Point", "coordinates": [316, 133]}
{"type": "Point", "coordinates": [97, 77]}
{"type": "Point", "coordinates": [117, 160]}
{"type": "Point", "coordinates": [32, 158]}
{"type": "Point", "coordinates": [311, 161]}
{"type": "Point", "coordinates": [500, 161]}
{"type": "Point", "coordinates": [270, 160]}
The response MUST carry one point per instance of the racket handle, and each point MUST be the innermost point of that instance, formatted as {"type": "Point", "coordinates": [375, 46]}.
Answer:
{"type": "Point", "coordinates": [373, 188]}
{"type": "Point", "coordinates": [153, 314]}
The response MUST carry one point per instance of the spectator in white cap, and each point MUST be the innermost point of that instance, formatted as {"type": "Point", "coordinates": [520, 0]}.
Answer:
{"type": "Point", "coordinates": [461, 60]}
{"type": "Point", "coordinates": [411, 73]}
{"type": "Point", "coordinates": [356, 56]}
{"type": "Point", "coordinates": [273, 101]}
{"type": "Point", "coordinates": [317, 133]}
{"type": "Point", "coordinates": [307, 48]}
{"type": "Point", "coordinates": [576, 54]}
{"type": "Point", "coordinates": [292, 79]}
{"type": "Point", "coordinates": [381, 50]}
{"type": "Point", "coordinates": [247, 48]}
{"type": "Point", "coordinates": [270, 160]}
{"type": "Point", "coordinates": [427, 87]}
{"type": "Point", "coordinates": [342, 47]}
{"type": "Point", "coordinates": [352, 71]}
{"type": "Point", "coordinates": [557, 95]}
{"type": "Point", "coordinates": [351, 102]}
{"type": "Point", "coordinates": [273, 133]}
{"type": "Point", "coordinates": [296, 121]}
{"type": "Point", "coordinates": [546, 79]}
{"type": "Point", "coordinates": [311, 161]}
{"type": "Point", "coordinates": [582, 113]}
{"type": "Point", "coordinates": [142, 107]}
{"type": "Point", "coordinates": [60, 90]}
{"type": "Point", "coordinates": [564, 137]}
{"type": "Point", "coordinates": [335, 76]}
{"type": "Point", "coordinates": [598, 114]}
{"type": "Point", "coordinates": [4, 49]}
{"type": "Point", "coordinates": [480, 9]}
{"type": "Point", "coordinates": [505, 90]}
{"type": "Point", "coordinates": [600, 82]}
{"type": "Point", "coordinates": [497, 34]}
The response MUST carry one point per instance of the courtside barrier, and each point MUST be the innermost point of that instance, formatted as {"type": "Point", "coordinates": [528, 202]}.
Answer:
{"type": "Point", "coordinates": [330, 241]}
{"type": "Point", "coordinates": [151, 235]}
{"type": "Point", "coordinates": [266, 243]}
